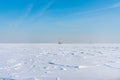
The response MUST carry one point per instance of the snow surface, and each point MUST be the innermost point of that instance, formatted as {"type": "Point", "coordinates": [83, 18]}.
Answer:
{"type": "Point", "coordinates": [59, 62]}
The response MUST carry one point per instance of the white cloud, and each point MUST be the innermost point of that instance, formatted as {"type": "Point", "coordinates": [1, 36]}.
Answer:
{"type": "Point", "coordinates": [28, 10]}
{"type": "Point", "coordinates": [43, 10]}
{"type": "Point", "coordinates": [116, 5]}
{"type": "Point", "coordinates": [22, 18]}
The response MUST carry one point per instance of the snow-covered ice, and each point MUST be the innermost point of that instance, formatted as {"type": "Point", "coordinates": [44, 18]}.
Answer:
{"type": "Point", "coordinates": [59, 62]}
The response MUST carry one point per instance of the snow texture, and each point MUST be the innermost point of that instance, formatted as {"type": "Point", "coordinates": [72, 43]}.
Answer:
{"type": "Point", "coordinates": [59, 61]}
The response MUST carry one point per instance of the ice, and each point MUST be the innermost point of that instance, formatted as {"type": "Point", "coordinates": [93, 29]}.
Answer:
{"type": "Point", "coordinates": [59, 61]}
{"type": "Point", "coordinates": [6, 79]}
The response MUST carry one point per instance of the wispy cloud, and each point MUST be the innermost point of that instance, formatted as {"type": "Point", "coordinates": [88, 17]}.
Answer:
{"type": "Point", "coordinates": [43, 10]}
{"type": "Point", "coordinates": [27, 11]}
{"type": "Point", "coordinates": [46, 7]}
{"type": "Point", "coordinates": [116, 5]}
{"type": "Point", "coordinates": [21, 18]}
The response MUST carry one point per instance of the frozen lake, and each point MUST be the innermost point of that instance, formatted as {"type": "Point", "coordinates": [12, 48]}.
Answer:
{"type": "Point", "coordinates": [59, 62]}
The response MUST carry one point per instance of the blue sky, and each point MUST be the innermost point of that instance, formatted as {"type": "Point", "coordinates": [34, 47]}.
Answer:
{"type": "Point", "coordinates": [53, 20]}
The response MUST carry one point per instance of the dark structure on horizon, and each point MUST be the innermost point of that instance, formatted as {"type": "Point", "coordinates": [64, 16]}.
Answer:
{"type": "Point", "coordinates": [60, 42]}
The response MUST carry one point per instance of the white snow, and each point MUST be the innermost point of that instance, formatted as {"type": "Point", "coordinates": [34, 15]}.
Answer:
{"type": "Point", "coordinates": [59, 61]}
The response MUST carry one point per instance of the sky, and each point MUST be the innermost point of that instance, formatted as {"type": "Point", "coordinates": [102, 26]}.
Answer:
{"type": "Point", "coordinates": [50, 21]}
